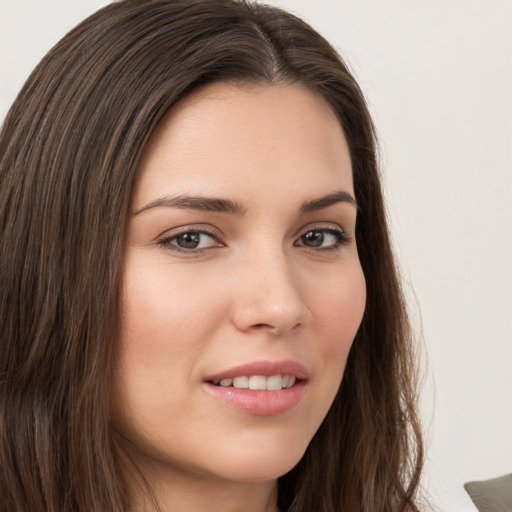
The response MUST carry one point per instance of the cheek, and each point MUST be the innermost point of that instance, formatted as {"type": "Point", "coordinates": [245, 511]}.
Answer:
{"type": "Point", "coordinates": [160, 310]}
{"type": "Point", "coordinates": [338, 314]}
{"type": "Point", "coordinates": [340, 309]}
{"type": "Point", "coordinates": [162, 335]}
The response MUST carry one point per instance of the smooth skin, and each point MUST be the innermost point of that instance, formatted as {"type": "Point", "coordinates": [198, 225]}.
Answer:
{"type": "Point", "coordinates": [255, 277]}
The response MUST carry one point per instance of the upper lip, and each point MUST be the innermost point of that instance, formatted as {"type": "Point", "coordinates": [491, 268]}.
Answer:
{"type": "Point", "coordinates": [263, 368]}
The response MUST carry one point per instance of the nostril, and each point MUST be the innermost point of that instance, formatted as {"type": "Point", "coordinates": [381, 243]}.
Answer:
{"type": "Point", "coordinates": [272, 328]}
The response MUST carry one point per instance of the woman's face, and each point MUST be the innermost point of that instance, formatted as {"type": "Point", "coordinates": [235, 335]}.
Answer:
{"type": "Point", "coordinates": [241, 269]}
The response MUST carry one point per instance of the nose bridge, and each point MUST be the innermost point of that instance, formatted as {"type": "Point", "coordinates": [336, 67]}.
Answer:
{"type": "Point", "coordinates": [269, 294]}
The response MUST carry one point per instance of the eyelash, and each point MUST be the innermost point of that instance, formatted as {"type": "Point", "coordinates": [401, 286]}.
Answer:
{"type": "Point", "coordinates": [166, 242]}
{"type": "Point", "coordinates": [341, 238]}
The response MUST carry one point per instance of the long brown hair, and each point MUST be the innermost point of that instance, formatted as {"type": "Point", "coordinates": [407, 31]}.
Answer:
{"type": "Point", "coordinates": [69, 148]}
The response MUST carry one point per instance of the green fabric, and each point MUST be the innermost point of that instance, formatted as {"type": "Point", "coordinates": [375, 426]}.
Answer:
{"type": "Point", "coordinates": [493, 495]}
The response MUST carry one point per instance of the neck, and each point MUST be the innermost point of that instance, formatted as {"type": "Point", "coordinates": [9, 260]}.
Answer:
{"type": "Point", "coordinates": [172, 491]}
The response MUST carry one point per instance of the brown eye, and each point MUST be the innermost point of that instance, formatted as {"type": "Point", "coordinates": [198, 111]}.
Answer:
{"type": "Point", "coordinates": [313, 238]}
{"type": "Point", "coordinates": [188, 240]}
{"type": "Point", "coordinates": [323, 238]}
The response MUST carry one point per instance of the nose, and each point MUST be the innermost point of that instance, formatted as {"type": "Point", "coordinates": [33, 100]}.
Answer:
{"type": "Point", "coordinates": [268, 296]}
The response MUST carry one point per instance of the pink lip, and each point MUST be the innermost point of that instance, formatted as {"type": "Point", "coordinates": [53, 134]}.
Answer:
{"type": "Point", "coordinates": [260, 403]}
{"type": "Point", "coordinates": [264, 368]}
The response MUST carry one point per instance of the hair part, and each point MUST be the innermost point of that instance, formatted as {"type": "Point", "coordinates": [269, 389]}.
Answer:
{"type": "Point", "coordinates": [69, 150]}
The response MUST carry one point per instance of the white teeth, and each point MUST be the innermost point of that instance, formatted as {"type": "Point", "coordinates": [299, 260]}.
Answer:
{"type": "Point", "coordinates": [259, 382]}
{"type": "Point", "coordinates": [241, 382]}
{"type": "Point", "coordinates": [274, 383]}
{"type": "Point", "coordinates": [291, 381]}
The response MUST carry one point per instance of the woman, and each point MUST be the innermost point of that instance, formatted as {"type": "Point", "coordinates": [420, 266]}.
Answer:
{"type": "Point", "coordinates": [192, 319]}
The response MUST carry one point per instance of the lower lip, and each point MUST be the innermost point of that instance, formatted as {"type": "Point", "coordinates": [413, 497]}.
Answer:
{"type": "Point", "coordinates": [260, 403]}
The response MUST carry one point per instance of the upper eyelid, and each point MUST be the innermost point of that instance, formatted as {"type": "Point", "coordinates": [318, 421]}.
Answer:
{"type": "Point", "coordinates": [331, 230]}
{"type": "Point", "coordinates": [320, 226]}
{"type": "Point", "coordinates": [218, 235]}
{"type": "Point", "coordinates": [164, 242]}
{"type": "Point", "coordinates": [200, 228]}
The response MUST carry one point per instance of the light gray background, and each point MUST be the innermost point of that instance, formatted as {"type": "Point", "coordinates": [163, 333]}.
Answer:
{"type": "Point", "coordinates": [438, 77]}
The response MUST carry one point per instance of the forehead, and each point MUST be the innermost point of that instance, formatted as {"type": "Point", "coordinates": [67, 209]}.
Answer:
{"type": "Point", "coordinates": [225, 137]}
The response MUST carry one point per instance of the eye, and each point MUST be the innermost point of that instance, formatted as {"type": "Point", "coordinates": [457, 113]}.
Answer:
{"type": "Point", "coordinates": [190, 241]}
{"type": "Point", "coordinates": [323, 238]}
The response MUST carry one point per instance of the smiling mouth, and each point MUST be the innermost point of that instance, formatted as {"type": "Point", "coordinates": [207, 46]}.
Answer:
{"type": "Point", "coordinates": [260, 388]}
{"type": "Point", "coordinates": [258, 382]}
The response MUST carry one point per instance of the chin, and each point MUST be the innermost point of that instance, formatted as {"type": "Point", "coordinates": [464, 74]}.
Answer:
{"type": "Point", "coordinates": [258, 463]}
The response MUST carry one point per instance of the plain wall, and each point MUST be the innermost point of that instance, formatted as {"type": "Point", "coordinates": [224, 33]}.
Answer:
{"type": "Point", "coordinates": [438, 77]}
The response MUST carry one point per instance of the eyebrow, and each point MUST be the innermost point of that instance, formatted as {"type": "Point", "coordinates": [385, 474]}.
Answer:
{"type": "Point", "coordinates": [212, 204]}
{"type": "Point", "coordinates": [205, 204]}
{"type": "Point", "coordinates": [339, 196]}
